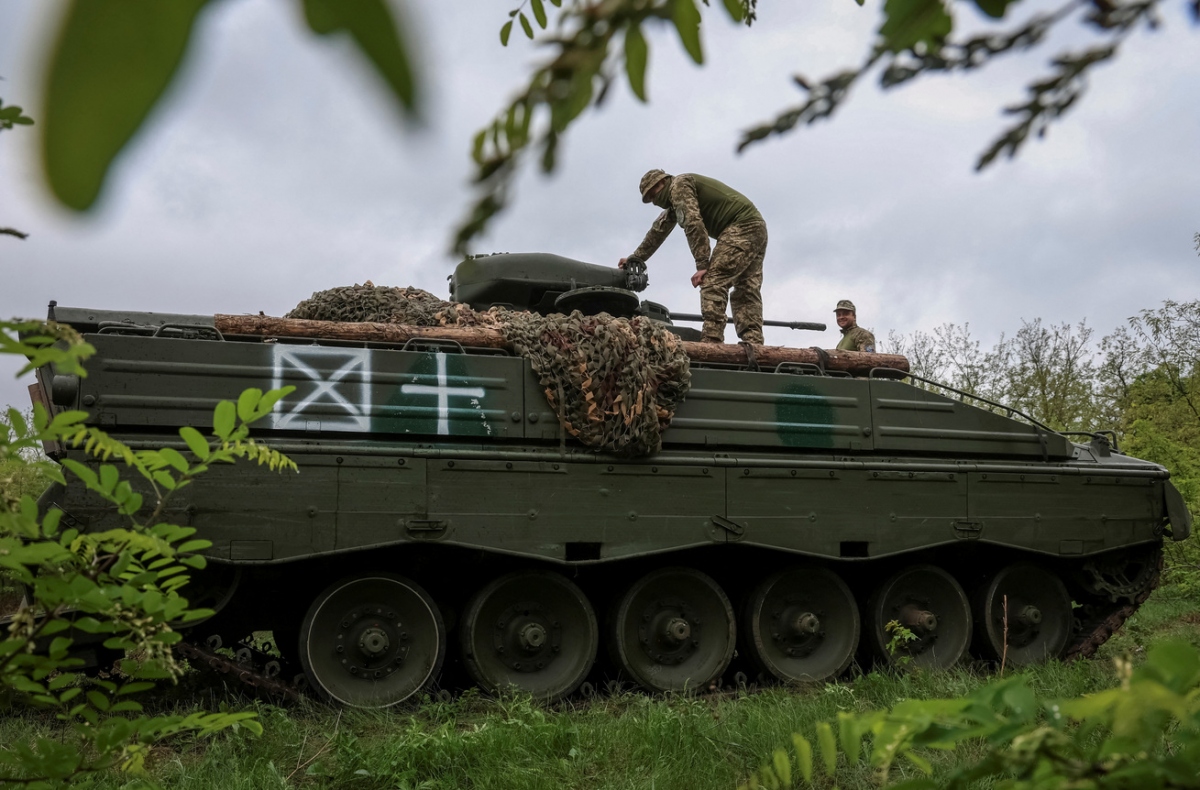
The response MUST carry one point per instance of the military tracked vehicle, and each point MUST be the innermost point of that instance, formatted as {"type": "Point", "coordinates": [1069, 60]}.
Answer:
{"type": "Point", "coordinates": [445, 529]}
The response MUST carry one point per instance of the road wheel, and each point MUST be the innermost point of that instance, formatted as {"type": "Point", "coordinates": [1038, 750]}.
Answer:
{"type": "Point", "coordinates": [372, 641]}
{"type": "Point", "coordinates": [802, 624]}
{"type": "Point", "coordinates": [674, 630]}
{"type": "Point", "coordinates": [531, 630]}
{"type": "Point", "coordinates": [931, 608]}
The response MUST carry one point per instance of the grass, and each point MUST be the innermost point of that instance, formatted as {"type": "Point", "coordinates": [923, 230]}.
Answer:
{"type": "Point", "coordinates": [627, 741]}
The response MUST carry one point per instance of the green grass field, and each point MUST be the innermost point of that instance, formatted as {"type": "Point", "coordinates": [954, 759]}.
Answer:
{"type": "Point", "coordinates": [628, 741]}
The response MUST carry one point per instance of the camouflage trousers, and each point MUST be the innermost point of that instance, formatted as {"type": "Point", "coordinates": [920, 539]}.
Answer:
{"type": "Point", "coordinates": [736, 263]}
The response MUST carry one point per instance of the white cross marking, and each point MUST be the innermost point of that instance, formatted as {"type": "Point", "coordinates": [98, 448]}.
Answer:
{"type": "Point", "coordinates": [357, 414]}
{"type": "Point", "coordinates": [443, 393]}
{"type": "Point", "coordinates": [326, 386]}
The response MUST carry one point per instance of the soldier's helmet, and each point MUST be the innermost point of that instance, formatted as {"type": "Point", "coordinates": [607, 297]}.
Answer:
{"type": "Point", "coordinates": [651, 178]}
{"type": "Point", "coordinates": [845, 304]}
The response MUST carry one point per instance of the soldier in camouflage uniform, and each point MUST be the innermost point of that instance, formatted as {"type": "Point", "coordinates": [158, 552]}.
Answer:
{"type": "Point", "coordinates": [706, 207]}
{"type": "Point", "coordinates": [854, 337]}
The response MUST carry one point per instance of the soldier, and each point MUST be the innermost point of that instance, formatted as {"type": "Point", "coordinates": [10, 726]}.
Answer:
{"type": "Point", "coordinates": [854, 337]}
{"type": "Point", "coordinates": [706, 207]}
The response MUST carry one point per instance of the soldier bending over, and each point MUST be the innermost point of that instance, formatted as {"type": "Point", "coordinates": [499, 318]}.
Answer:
{"type": "Point", "coordinates": [706, 207]}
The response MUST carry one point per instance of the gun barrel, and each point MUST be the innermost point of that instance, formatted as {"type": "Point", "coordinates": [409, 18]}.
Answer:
{"type": "Point", "coordinates": [812, 326]}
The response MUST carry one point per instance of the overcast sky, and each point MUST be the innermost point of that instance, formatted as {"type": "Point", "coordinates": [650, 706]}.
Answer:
{"type": "Point", "coordinates": [278, 167]}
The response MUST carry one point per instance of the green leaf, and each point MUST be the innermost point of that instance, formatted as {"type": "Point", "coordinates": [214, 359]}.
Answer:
{"type": "Point", "coordinates": [737, 11]}
{"type": "Point", "coordinates": [993, 8]}
{"type": "Point", "coordinates": [196, 442]}
{"type": "Point", "coordinates": [224, 419]}
{"type": "Point", "coordinates": [505, 32]}
{"type": "Point", "coordinates": [98, 700]}
{"type": "Point", "coordinates": [919, 761]}
{"type": "Point", "coordinates": [247, 402]}
{"type": "Point", "coordinates": [539, 12]}
{"type": "Point", "coordinates": [270, 398]}
{"type": "Point", "coordinates": [804, 756]}
{"type": "Point", "coordinates": [909, 22]}
{"type": "Point", "coordinates": [134, 688]}
{"type": "Point", "coordinates": [850, 737]}
{"type": "Point", "coordinates": [378, 35]}
{"type": "Point", "coordinates": [85, 474]}
{"type": "Point", "coordinates": [113, 61]}
{"type": "Point", "coordinates": [109, 477]}
{"type": "Point", "coordinates": [17, 421]}
{"type": "Point", "coordinates": [174, 459]}
{"type": "Point", "coordinates": [686, 17]}
{"type": "Point", "coordinates": [828, 746]}
{"type": "Point", "coordinates": [636, 54]}
{"type": "Point", "coordinates": [51, 521]}
{"type": "Point", "coordinates": [528, 28]}
{"type": "Point", "coordinates": [782, 766]}
{"type": "Point", "coordinates": [132, 505]}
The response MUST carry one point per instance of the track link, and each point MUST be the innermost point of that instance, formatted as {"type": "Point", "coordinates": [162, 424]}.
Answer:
{"type": "Point", "coordinates": [1108, 625]}
{"type": "Point", "coordinates": [261, 682]}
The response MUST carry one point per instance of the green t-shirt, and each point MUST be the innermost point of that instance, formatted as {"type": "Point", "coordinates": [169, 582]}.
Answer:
{"type": "Point", "coordinates": [722, 205]}
{"type": "Point", "coordinates": [856, 339]}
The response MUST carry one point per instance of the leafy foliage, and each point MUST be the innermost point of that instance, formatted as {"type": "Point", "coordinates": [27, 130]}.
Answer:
{"type": "Point", "coordinates": [577, 76]}
{"type": "Point", "coordinates": [10, 116]}
{"type": "Point", "coordinates": [13, 115]}
{"type": "Point", "coordinates": [115, 59]}
{"type": "Point", "coordinates": [118, 587]}
{"type": "Point", "coordinates": [1144, 733]}
{"type": "Point", "coordinates": [914, 37]}
{"type": "Point", "coordinates": [900, 638]}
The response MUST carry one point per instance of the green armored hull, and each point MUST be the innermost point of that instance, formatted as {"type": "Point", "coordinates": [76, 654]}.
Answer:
{"type": "Point", "coordinates": [443, 520]}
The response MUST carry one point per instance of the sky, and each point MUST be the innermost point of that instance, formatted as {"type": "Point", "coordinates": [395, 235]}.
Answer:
{"type": "Point", "coordinates": [278, 166]}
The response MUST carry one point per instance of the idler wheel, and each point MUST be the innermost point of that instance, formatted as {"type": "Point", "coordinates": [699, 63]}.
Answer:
{"type": "Point", "coordinates": [802, 624]}
{"type": "Point", "coordinates": [931, 604]}
{"type": "Point", "coordinates": [1039, 615]}
{"type": "Point", "coordinates": [674, 630]}
{"type": "Point", "coordinates": [372, 641]}
{"type": "Point", "coordinates": [534, 631]}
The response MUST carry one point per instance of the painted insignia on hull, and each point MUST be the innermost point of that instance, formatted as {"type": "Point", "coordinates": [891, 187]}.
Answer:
{"type": "Point", "coordinates": [443, 392]}
{"type": "Point", "coordinates": [333, 388]}
{"type": "Point", "coordinates": [337, 390]}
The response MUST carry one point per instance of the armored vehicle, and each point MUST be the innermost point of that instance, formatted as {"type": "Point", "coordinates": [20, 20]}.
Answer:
{"type": "Point", "coordinates": [442, 519]}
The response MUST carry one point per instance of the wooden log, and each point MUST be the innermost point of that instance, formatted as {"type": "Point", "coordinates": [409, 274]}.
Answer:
{"type": "Point", "coordinates": [767, 357]}
{"type": "Point", "coordinates": [359, 331]}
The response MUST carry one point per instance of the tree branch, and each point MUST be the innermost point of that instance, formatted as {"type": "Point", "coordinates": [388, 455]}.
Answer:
{"type": "Point", "coordinates": [13, 232]}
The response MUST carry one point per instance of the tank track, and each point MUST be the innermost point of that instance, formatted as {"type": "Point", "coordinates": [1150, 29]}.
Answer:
{"type": "Point", "coordinates": [261, 673]}
{"type": "Point", "coordinates": [1100, 627]}
{"type": "Point", "coordinates": [245, 669]}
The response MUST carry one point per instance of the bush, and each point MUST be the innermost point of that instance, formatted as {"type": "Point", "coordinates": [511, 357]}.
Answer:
{"type": "Point", "coordinates": [122, 586]}
{"type": "Point", "coordinates": [1145, 733]}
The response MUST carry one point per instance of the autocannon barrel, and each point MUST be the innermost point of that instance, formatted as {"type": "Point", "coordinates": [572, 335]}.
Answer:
{"type": "Point", "coordinates": [810, 325]}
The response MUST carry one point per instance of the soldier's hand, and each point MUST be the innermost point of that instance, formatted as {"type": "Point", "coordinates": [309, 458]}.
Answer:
{"type": "Point", "coordinates": [621, 263]}
{"type": "Point", "coordinates": [698, 277]}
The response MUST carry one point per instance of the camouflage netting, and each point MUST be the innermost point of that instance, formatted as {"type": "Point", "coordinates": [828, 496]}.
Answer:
{"type": "Point", "coordinates": [614, 382]}
{"type": "Point", "coordinates": [370, 302]}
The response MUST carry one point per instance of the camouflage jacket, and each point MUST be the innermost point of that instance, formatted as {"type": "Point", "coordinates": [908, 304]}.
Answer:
{"type": "Point", "coordinates": [855, 338]}
{"type": "Point", "coordinates": [704, 207]}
